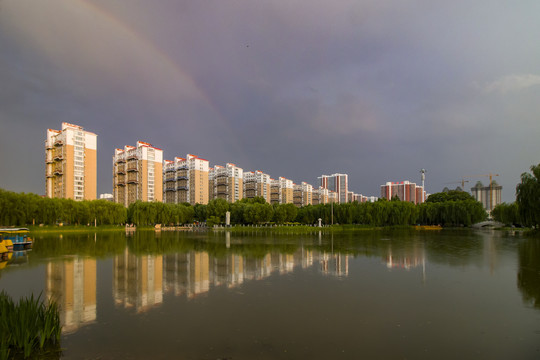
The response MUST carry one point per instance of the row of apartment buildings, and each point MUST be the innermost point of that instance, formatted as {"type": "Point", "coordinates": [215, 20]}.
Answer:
{"type": "Point", "coordinates": [141, 173]}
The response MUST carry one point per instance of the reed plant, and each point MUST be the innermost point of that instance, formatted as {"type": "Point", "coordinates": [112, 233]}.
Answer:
{"type": "Point", "coordinates": [28, 328]}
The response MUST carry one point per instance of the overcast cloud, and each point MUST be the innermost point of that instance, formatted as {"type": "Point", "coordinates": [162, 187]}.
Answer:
{"type": "Point", "coordinates": [376, 89]}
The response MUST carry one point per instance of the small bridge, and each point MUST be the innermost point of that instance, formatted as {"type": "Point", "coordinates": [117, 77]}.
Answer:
{"type": "Point", "coordinates": [488, 223]}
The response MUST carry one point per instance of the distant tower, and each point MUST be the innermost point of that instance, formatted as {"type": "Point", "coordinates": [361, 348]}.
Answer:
{"type": "Point", "coordinates": [423, 176]}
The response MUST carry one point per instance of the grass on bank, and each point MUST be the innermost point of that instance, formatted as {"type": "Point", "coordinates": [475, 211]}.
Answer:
{"type": "Point", "coordinates": [28, 328]}
{"type": "Point", "coordinates": [74, 228]}
{"type": "Point", "coordinates": [305, 229]}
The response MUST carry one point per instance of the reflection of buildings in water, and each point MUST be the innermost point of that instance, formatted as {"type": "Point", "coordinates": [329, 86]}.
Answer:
{"type": "Point", "coordinates": [228, 271]}
{"type": "Point", "coordinates": [72, 284]}
{"type": "Point", "coordinates": [304, 258]}
{"type": "Point", "coordinates": [194, 273]}
{"type": "Point", "coordinates": [406, 258]}
{"type": "Point", "coordinates": [334, 264]}
{"type": "Point", "coordinates": [137, 280]}
{"type": "Point", "coordinates": [286, 263]}
{"type": "Point", "coordinates": [187, 273]}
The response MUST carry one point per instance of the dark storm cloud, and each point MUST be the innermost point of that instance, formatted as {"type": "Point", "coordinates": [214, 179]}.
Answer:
{"type": "Point", "coordinates": [376, 89]}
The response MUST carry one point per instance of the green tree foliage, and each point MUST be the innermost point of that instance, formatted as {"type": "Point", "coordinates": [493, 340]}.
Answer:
{"type": "Point", "coordinates": [451, 195]}
{"type": "Point", "coordinates": [451, 213]}
{"type": "Point", "coordinates": [18, 209]}
{"type": "Point", "coordinates": [200, 212]}
{"type": "Point", "coordinates": [151, 213]}
{"type": "Point", "coordinates": [506, 213]}
{"type": "Point", "coordinates": [217, 208]}
{"type": "Point", "coordinates": [528, 197]}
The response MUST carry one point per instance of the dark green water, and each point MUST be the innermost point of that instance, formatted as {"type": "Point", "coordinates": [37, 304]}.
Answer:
{"type": "Point", "coordinates": [371, 295]}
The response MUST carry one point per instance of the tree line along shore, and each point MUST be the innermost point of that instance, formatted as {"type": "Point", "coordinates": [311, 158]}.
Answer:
{"type": "Point", "coordinates": [453, 208]}
{"type": "Point", "coordinates": [20, 209]}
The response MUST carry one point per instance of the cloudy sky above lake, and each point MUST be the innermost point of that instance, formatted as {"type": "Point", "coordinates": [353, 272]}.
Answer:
{"type": "Point", "coordinates": [372, 88]}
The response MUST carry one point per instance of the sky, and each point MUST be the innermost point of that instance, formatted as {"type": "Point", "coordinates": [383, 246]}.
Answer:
{"type": "Point", "coordinates": [375, 89]}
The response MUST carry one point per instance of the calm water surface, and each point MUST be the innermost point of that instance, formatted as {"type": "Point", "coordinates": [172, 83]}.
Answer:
{"type": "Point", "coordinates": [373, 295]}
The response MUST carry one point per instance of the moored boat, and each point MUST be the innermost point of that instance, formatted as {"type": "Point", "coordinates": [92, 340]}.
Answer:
{"type": "Point", "coordinates": [15, 238]}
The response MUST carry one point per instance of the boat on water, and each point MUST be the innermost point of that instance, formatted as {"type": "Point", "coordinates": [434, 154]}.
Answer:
{"type": "Point", "coordinates": [15, 239]}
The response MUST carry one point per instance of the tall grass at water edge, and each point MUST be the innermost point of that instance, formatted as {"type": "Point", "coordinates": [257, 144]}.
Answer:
{"type": "Point", "coordinates": [28, 328]}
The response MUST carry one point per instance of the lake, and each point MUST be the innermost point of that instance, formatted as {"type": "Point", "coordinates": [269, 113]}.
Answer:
{"type": "Point", "coordinates": [361, 294]}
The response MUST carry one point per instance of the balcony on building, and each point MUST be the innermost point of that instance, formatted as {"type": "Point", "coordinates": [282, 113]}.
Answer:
{"type": "Point", "coordinates": [120, 160]}
{"type": "Point", "coordinates": [170, 179]}
{"type": "Point", "coordinates": [132, 157]}
{"type": "Point", "coordinates": [250, 186]}
{"type": "Point", "coordinates": [132, 181]}
{"type": "Point", "coordinates": [184, 188]}
{"type": "Point", "coordinates": [58, 143]}
{"type": "Point", "coordinates": [170, 170]}
{"type": "Point", "coordinates": [222, 181]}
{"type": "Point", "coordinates": [58, 157]}
{"type": "Point", "coordinates": [181, 178]}
{"type": "Point", "coordinates": [132, 166]}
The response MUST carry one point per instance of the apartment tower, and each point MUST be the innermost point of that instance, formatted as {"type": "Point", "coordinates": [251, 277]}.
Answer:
{"type": "Point", "coordinates": [404, 190]}
{"type": "Point", "coordinates": [302, 194]}
{"type": "Point", "coordinates": [186, 180]}
{"type": "Point", "coordinates": [338, 183]}
{"type": "Point", "coordinates": [71, 163]}
{"type": "Point", "coordinates": [257, 184]}
{"type": "Point", "coordinates": [488, 196]}
{"type": "Point", "coordinates": [287, 191]}
{"type": "Point", "coordinates": [226, 182]}
{"type": "Point", "coordinates": [137, 174]}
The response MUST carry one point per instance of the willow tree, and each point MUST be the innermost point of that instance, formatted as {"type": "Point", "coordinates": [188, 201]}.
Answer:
{"type": "Point", "coordinates": [528, 197]}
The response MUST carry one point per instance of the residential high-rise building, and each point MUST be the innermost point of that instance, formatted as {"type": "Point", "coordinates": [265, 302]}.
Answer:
{"type": "Point", "coordinates": [287, 188]}
{"type": "Point", "coordinates": [333, 197]}
{"type": "Point", "coordinates": [404, 190]}
{"type": "Point", "coordinates": [302, 194]}
{"type": "Point", "coordinates": [137, 174]}
{"type": "Point", "coordinates": [71, 163]}
{"type": "Point", "coordinates": [281, 191]}
{"type": "Point", "coordinates": [488, 196]}
{"type": "Point", "coordinates": [338, 183]}
{"type": "Point", "coordinates": [257, 183]}
{"type": "Point", "coordinates": [319, 196]}
{"type": "Point", "coordinates": [186, 180]}
{"type": "Point", "coordinates": [275, 191]}
{"type": "Point", "coordinates": [226, 182]}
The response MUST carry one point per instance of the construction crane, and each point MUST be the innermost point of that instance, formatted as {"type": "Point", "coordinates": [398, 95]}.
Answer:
{"type": "Point", "coordinates": [462, 182]}
{"type": "Point", "coordinates": [491, 175]}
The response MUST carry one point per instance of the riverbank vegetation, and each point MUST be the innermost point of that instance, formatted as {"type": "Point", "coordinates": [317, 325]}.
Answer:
{"type": "Point", "coordinates": [525, 211]}
{"type": "Point", "coordinates": [22, 209]}
{"type": "Point", "coordinates": [18, 209]}
{"type": "Point", "coordinates": [28, 328]}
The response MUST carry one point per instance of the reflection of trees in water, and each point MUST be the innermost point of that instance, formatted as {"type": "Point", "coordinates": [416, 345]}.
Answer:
{"type": "Point", "coordinates": [448, 247]}
{"type": "Point", "coordinates": [528, 279]}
